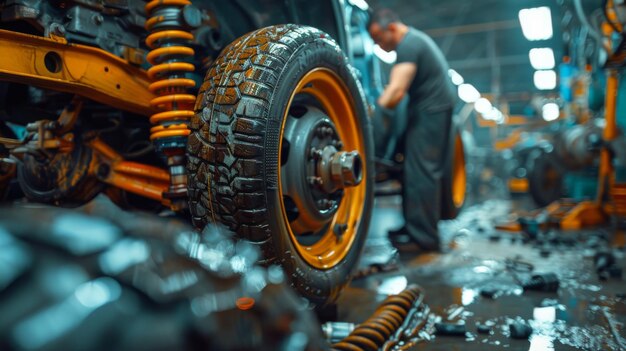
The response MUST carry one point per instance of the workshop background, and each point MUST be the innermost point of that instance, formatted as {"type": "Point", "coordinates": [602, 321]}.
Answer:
{"type": "Point", "coordinates": [533, 241]}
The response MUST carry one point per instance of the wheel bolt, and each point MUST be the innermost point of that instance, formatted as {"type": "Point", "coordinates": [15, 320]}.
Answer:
{"type": "Point", "coordinates": [340, 228]}
{"type": "Point", "coordinates": [315, 181]}
{"type": "Point", "coordinates": [315, 153]}
{"type": "Point", "coordinates": [338, 144]}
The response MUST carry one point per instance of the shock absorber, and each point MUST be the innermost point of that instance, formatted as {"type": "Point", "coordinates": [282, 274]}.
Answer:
{"type": "Point", "coordinates": [169, 40]}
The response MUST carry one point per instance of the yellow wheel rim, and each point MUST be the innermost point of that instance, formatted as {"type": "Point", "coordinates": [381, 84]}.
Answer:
{"type": "Point", "coordinates": [335, 99]}
{"type": "Point", "coordinates": [459, 178]}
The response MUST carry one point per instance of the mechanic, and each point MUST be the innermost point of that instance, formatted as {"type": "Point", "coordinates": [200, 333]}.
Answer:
{"type": "Point", "coordinates": [421, 71]}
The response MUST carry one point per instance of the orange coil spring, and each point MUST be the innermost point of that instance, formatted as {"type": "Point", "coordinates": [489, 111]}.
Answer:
{"type": "Point", "coordinates": [168, 43]}
{"type": "Point", "coordinates": [386, 320]}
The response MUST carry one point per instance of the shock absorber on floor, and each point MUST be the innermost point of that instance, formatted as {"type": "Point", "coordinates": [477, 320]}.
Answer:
{"type": "Point", "coordinates": [169, 23]}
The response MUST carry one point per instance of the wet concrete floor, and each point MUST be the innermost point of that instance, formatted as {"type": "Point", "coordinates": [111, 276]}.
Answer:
{"type": "Point", "coordinates": [478, 280]}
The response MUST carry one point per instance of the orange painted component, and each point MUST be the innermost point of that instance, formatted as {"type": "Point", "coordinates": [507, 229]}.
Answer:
{"type": "Point", "coordinates": [176, 82]}
{"type": "Point", "coordinates": [139, 169]}
{"type": "Point", "coordinates": [518, 185]}
{"type": "Point", "coordinates": [245, 303]}
{"type": "Point", "coordinates": [585, 214]}
{"type": "Point", "coordinates": [137, 178]}
{"type": "Point", "coordinates": [143, 187]}
{"type": "Point", "coordinates": [82, 70]}
{"type": "Point", "coordinates": [164, 116]}
{"type": "Point", "coordinates": [168, 49]}
{"type": "Point", "coordinates": [459, 174]}
{"type": "Point", "coordinates": [330, 91]}
{"type": "Point", "coordinates": [155, 3]}
{"type": "Point", "coordinates": [171, 130]}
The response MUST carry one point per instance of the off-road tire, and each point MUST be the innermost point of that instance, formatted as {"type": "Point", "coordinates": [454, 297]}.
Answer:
{"type": "Point", "coordinates": [232, 151]}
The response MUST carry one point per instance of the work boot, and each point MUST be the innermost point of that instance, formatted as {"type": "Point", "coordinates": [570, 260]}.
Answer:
{"type": "Point", "coordinates": [403, 241]}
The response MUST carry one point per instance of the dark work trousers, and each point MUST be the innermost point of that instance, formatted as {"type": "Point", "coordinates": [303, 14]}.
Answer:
{"type": "Point", "coordinates": [426, 152]}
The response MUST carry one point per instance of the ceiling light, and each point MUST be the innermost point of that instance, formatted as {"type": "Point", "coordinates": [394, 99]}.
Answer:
{"type": "Point", "coordinates": [468, 93]}
{"type": "Point", "coordinates": [482, 105]}
{"type": "Point", "coordinates": [536, 23]}
{"type": "Point", "coordinates": [542, 58]}
{"type": "Point", "coordinates": [386, 56]}
{"type": "Point", "coordinates": [494, 115]}
{"type": "Point", "coordinates": [550, 111]}
{"type": "Point", "coordinates": [545, 80]}
{"type": "Point", "coordinates": [456, 78]}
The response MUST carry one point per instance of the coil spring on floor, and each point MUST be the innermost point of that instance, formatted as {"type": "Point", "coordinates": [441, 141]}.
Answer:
{"type": "Point", "coordinates": [386, 320]}
{"type": "Point", "coordinates": [169, 41]}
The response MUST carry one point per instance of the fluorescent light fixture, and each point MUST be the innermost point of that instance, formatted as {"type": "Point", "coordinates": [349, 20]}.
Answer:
{"type": "Point", "coordinates": [550, 111]}
{"type": "Point", "coordinates": [536, 23]}
{"type": "Point", "coordinates": [456, 78]}
{"type": "Point", "coordinates": [468, 93]}
{"type": "Point", "coordinates": [545, 80]}
{"type": "Point", "coordinates": [386, 56]}
{"type": "Point", "coordinates": [542, 58]}
{"type": "Point", "coordinates": [482, 105]}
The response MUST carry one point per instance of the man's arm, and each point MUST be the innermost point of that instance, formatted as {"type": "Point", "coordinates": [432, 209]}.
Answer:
{"type": "Point", "coordinates": [402, 75]}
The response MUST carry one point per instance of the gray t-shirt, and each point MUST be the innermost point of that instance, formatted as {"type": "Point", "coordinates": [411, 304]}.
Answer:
{"type": "Point", "coordinates": [431, 88]}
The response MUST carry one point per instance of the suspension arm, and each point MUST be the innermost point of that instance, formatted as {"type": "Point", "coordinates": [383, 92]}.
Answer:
{"type": "Point", "coordinates": [90, 72]}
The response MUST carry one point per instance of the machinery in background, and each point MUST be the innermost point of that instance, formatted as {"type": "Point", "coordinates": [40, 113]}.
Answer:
{"type": "Point", "coordinates": [585, 159]}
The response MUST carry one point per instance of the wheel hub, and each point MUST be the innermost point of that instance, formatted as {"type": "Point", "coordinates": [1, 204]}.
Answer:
{"type": "Point", "coordinates": [315, 169]}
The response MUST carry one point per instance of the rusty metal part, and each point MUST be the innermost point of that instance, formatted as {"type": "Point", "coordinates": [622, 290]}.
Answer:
{"type": "Point", "coordinates": [391, 320]}
{"type": "Point", "coordinates": [137, 178]}
{"type": "Point", "coordinates": [48, 135]}
{"type": "Point", "coordinates": [82, 70]}
{"type": "Point", "coordinates": [10, 142]}
{"type": "Point", "coordinates": [60, 176]}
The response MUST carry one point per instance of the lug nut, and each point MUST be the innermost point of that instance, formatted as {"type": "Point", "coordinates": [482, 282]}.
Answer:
{"type": "Point", "coordinates": [315, 181]}
{"type": "Point", "coordinates": [347, 168]}
{"type": "Point", "coordinates": [340, 228]}
{"type": "Point", "coordinates": [315, 154]}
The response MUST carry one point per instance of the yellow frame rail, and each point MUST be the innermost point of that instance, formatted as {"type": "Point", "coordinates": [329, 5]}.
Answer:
{"type": "Point", "coordinates": [90, 72]}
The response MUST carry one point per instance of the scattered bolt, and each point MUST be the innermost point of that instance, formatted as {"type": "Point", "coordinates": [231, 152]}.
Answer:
{"type": "Point", "coordinates": [494, 237]}
{"type": "Point", "coordinates": [602, 260]}
{"type": "Point", "coordinates": [548, 282]}
{"type": "Point", "coordinates": [520, 330]}
{"type": "Point", "coordinates": [489, 292]}
{"type": "Point", "coordinates": [450, 329]}
{"type": "Point", "coordinates": [483, 329]}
